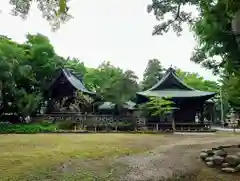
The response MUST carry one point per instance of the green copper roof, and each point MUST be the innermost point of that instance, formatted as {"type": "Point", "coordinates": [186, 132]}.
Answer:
{"type": "Point", "coordinates": [109, 105]}
{"type": "Point", "coordinates": [129, 105]}
{"type": "Point", "coordinates": [170, 81]}
{"type": "Point", "coordinates": [106, 105]}
{"type": "Point", "coordinates": [176, 93]}
{"type": "Point", "coordinates": [172, 86]}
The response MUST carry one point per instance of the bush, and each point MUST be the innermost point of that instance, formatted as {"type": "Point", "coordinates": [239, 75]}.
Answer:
{"type": "Point", "coordinates": [26, 128]}
{"type": "Point", "coordinates": [46, 123]}
{"type": "Point", "coordinates": [65, 125]}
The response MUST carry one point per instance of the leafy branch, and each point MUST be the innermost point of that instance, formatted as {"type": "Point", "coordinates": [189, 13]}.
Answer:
{"type": "Point", "coordinates": [159, 106]}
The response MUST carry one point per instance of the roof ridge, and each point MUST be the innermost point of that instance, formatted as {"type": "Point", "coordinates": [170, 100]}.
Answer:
{"type": "Point", "coordinates": [159, 82]}
{"type": "Point", "coordinates": [170, 72]}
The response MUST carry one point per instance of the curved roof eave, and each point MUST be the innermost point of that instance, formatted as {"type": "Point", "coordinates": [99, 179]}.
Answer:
{"type": "Point", "coordinates": [76, 82]}
{"type": "Point", "coordinates": [176, 94]}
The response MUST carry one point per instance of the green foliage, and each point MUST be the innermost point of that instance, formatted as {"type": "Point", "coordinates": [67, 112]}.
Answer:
{"type": "Point", "coordinates": [159, 106]}
{"type": "Point", "coordinates": [231, 87]}
{"type": "Point", "coordinates": [152, 74]}
{"type": "Point", "coordinates": [112, 83]}
{"type": "Point", "coordinates": [27, 103]}
{"type": "Point", "coordinates": [26, 128]}
{"type": "Point", "coordinates": [195, 81]}
{"type": "Point", "coordinates": [65, 125]}
{"type": "Point", "coordinates": [217, 46]}
{"type": "Point", "coordinates": [25, 70]}
{"type": "Point", "coordinates": [55, 12]}
{"type": "Point", "coordinates": [28, 68]}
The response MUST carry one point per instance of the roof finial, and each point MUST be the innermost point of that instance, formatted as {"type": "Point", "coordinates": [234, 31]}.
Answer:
{"type": "Point", "coordinates": [171, 66]}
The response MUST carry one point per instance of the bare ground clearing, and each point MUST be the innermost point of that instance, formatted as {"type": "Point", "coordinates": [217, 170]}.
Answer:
{"type": "Point", "coordinates": [179, 155]}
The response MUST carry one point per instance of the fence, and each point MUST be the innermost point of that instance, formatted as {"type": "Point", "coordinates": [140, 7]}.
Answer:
{"type": "Point", "coordinates": [122, 123]}
{"type": "Point", "coordinates": [96, 122]}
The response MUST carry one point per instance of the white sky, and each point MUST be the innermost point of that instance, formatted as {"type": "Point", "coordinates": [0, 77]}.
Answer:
{"type": "Point", "coordinates": [118, 31]}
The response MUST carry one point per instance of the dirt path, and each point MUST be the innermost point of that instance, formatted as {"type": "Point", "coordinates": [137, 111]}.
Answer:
{"type": "Point", "coordinates": [179, 155]}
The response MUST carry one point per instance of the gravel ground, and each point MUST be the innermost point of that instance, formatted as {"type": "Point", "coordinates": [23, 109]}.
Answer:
{"type": "Point", "coordinates": [174, 154]}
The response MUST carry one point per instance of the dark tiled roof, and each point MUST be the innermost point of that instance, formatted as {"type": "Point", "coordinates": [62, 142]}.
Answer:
{"type": "Point", "coordinates": [77, 83]}
{"type": "Point", "coordinates": [172, 86]}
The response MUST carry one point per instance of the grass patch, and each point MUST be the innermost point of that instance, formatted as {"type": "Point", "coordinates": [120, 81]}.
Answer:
{"type": "Point", "coordinates": [27, 128]}
{"type": "Point", "coordinates": [34, 157]}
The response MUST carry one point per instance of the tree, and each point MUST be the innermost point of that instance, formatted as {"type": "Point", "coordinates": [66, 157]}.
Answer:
{"type": "Point", "coordinates": [27, 104]}
{"type": "Point", "coordinates": [159, 107]}
{"type": "Point", "coordinates": [212, 29]}
{"type": "Point", "coordinates": [231, 87]}
{"type": "Point", "coordinates": [76, 66]}
{"type": "Point", "coordinates": [152, 74]}
{"type": "Point", "coordinates": [198, 82]}
{"type": "Point", "coordinates": [25, 70]}
{"type": "Point", "coordinates": [54, 11]}
{"type": "Point", "coordinates": [11, 57]}
{"type": "Point", "coordinates": [112, 83]}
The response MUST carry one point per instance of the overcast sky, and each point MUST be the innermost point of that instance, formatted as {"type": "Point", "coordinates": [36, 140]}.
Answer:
{"type": "Point", "coordinates": [118, 31]}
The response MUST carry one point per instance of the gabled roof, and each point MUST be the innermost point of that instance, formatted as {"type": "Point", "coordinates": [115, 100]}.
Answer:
{"type": "Point", "coordinates": [77, 83]}
{"type": "Point", "coordinates": [172, 86]}
{"type": "Point", "coordinates": [170, 81]}
{"type": "Point", "coordinates": [73, 80]}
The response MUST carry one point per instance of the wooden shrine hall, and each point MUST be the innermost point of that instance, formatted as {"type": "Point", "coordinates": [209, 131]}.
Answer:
{"type": "Point", "coordinates": [189, 103]}
{"type": "Point", "coordinates": [63, 90]}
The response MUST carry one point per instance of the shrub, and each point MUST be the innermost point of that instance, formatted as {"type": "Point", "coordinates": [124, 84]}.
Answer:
{"type": "Point", "coordinates": [26, 128]}
{"type": "Point", "coordinates": [126, 127]}
{"type": "Point", "coordinates": [46, 123]}
{"type": "Point", "coordinates": [65, 125]}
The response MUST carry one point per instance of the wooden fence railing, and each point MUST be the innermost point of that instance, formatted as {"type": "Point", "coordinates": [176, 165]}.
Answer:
{"type": "Point", "coordinates": [88, 119]}
{"type": "Point", "coordinates": [92, 121]}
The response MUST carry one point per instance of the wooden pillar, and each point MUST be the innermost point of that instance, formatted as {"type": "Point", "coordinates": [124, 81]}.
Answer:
{"type": "Point", "coordinates": [201, 114]}
{"type": "Point", "coordinates": [75, 127]}
{"type": "Point", "coordinates": [173, 122]}
{"type": "Point", "coordinates": [173, 125]}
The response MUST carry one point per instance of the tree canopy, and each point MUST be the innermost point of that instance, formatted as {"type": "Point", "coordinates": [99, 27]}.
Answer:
{"type": "Point", "coordinates": [28, 68]}
{"type": "Point", "coordinates": [217, 46]}
{"type": "Point", "coordinates": [152, 74]}
{"type": "Point", "coordinates": [215, 28]}
{"type": "Point", "coordinates": [54, 11]}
